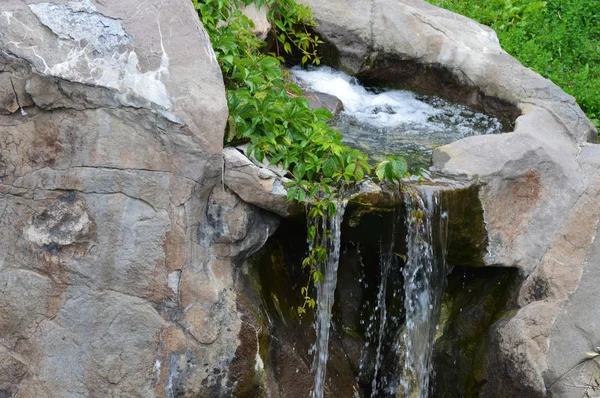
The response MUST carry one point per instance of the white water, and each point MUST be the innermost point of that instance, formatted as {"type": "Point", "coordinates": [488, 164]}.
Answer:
{"type": "Point", "coordinates": [424, 274]}
{"type": "Point", "coordinates": [325, 299]}
{"type": "Point", "coordinates": [394, 122]}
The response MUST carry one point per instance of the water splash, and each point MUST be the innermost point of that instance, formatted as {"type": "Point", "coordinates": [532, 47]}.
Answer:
{"type": "Point", "coordinates": [325, 299]}
{"type": "Point", "coordinates": [395, 122]}
{"type": "Point", "coordinates": [424, 277]}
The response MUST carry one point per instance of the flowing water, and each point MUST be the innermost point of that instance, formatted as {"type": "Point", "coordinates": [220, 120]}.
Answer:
{"type": "Point", "coordinates": [325, 298]}
{"type": "Point", "coordinates": [395, 122]}
{"type": "Point", "coordinates": [424, 282]}
{"type": "Point", "coordinates": [399, 341]}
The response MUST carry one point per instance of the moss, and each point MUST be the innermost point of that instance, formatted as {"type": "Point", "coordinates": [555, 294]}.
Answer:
{"type": "Point", "coordinates": [351, 332]}
{"type": "Point", "coordinates": [357, 214]}
{"type": "Point", "coordinates": [467, 236]}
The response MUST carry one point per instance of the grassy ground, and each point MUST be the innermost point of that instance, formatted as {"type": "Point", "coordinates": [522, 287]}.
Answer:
{"type": "Point", "coordinates": [559, 39]}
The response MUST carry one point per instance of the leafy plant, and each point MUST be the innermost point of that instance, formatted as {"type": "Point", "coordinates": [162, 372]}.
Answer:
{"type": "Point", "coordinates": [392, 169]}
{"type": "Point", "coordinates": [268, 111]}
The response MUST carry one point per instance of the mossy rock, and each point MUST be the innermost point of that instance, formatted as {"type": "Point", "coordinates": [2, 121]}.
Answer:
{"type": "Point", "coordinates": [475, 299]}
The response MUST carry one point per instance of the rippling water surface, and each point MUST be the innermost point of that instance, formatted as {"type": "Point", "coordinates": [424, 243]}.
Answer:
{"type": "Point", "coordinates": [385, 122]}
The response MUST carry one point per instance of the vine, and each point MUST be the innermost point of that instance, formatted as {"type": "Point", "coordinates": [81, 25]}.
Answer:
{"type": "Point", "coordinates": [267, 110]}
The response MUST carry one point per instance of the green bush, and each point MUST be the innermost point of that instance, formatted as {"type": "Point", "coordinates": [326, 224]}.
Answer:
{"type": "Point", "coordinates": [268, 111]}
{"type": "Point", "coordinates": [559, 39]}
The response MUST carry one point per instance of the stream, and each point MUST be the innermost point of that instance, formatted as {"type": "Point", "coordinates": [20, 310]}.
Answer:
{"type": "Point", "coordinates": [396, 359]}
{"type": "Point", "coordinates": [385, 122]}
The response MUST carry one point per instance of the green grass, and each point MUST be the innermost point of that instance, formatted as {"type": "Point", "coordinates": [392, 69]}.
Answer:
{"type": "Point", "coordinates": [559, 39]}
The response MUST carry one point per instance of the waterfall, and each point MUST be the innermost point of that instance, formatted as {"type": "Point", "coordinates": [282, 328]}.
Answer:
{"type": "Point", "coordinates": [325, 298]}
{"type": "Point", "coordinates": [384, 320]}
{"type": "Point", "coordinates": [424, 277]}
{"type": "Point", "coordinates": [398, 350]}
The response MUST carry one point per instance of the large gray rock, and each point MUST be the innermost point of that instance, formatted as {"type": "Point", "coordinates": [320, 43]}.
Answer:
{"type": "Point", "coordinates": [117, 252]}
{"type": "Point", "coordinates": [539, 183]}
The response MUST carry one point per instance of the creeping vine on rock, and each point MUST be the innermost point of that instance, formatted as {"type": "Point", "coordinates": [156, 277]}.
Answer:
{"type": "Point", "coordinates": [267, 110]}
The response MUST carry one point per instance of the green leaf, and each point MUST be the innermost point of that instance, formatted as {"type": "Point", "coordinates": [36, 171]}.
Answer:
{"type": "Point", "coordinates": [259, 155]}
{"type": "Point", "coordinates": [330, 166]}
{"type": "Point", "coordinates": [299, 170]}
{"type": "Point", "coordinates": [291, 193]}
{"type": "Point", "coordinates": [280, 25]}
{"type": "Point", "coordinates": [380, 170]}
{"type": "Point", "coordinates": [399, 167]}
{"type": "Point", "coordinates": [301, 195]}
{"type": "Point", "coordinates": [359, 174]}
{"type": "Point", "coordinates": [306, 262]}
{"type": "Point", "coordinates": [312, 232]}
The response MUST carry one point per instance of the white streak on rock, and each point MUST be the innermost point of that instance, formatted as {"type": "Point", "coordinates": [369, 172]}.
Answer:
{"type": "Point", "coordinates": [100, 53]}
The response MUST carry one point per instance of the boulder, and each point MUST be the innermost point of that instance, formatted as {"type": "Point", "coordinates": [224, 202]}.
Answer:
{"type": "Point", "coordinates": [539, 182]}
{"type": "Point", "coordinates": [319, 100]}
{"type": "Point", "coordinates": [117, 242]}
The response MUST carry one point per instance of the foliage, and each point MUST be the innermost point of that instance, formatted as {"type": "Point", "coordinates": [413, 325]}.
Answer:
{"type": "Point", "coordinates": [267, 110]}
{"type": "Point", "coordinates": [559, 39]}
{"type": "Point", "coordinates": [594, 382]}
{"type": "Point", "coordinates": [394, 168]}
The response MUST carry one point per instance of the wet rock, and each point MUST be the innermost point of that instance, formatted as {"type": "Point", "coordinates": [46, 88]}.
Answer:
{"type": "Point", "coordinates": [474, 300]}
{"type": "Point", "coordinates": [284, 340]}
{"type": "Point", "coordinates": [318, 100]}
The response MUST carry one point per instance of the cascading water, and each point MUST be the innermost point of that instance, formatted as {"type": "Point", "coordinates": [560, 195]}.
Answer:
{"type": "Point", "coordinates": [399, 341]}
{"type": "Point", "coordinates": [325, 299]}
{"type": "Point", "coordinates": [424, 277]}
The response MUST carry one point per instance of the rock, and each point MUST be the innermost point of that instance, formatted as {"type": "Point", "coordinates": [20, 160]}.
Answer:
{"type": "Point", "coordinates": [118, 245]}
{"type": "Point", "coordinates": [318, 100]}
{"type": "Point", "coordinates": [274, 330]}
{"type": "Point", "coordinates": [258, 16]}
{"type": "Point", "coordinates": [419, 46]}
{"type": "Point", "coordinates": [259, 186]}
{"type": "Point", "coordinates": [474, 300]}
{"type": "Point", "coordinates": [369, 35]}
{"type": "Point", "coordinates": [13, 96]}
{"type": "Point", "coordinates": [232, 231]}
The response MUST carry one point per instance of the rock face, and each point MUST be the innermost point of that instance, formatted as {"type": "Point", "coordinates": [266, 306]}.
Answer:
{"type": "Point", "coordinates": [540, 182]}
{"type": "Point", "coordinates": [117, 242]}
